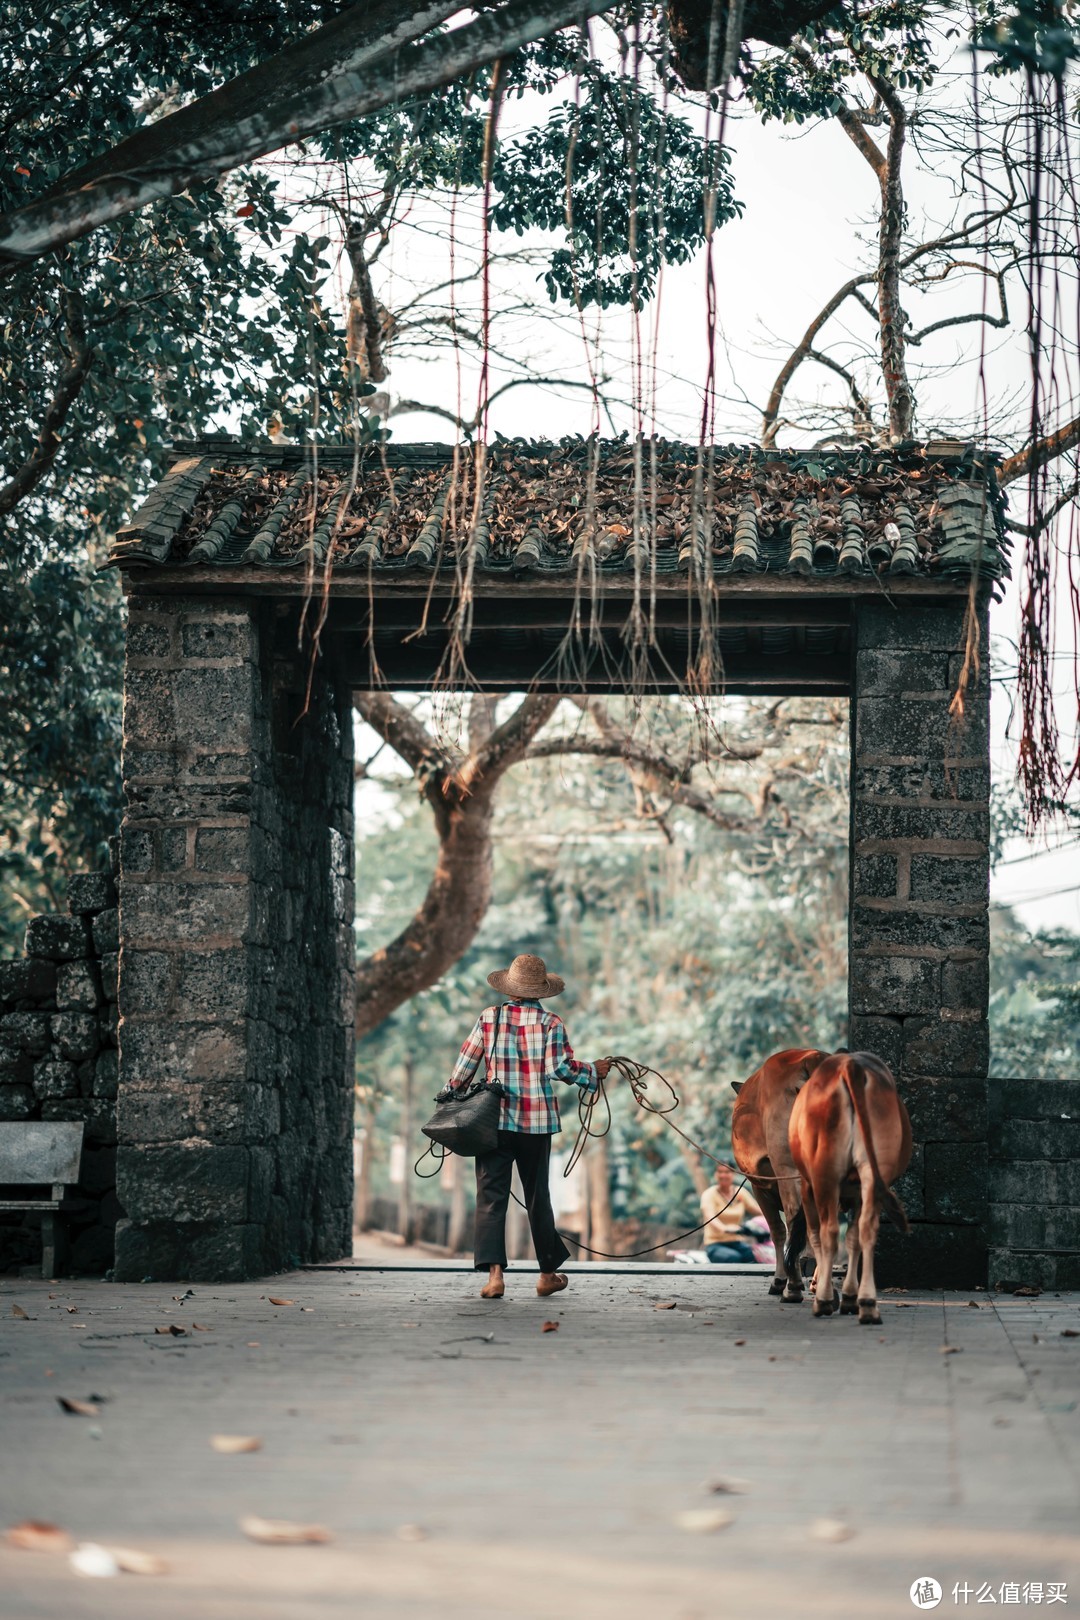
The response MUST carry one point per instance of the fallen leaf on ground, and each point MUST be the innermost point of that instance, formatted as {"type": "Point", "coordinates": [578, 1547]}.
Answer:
{"type": "Point", "coordinates": [72, 1310]}
{"type": "Point", "coordinates": [740, 1341]}
{"type": "Point", "coordinates": [666, 1305]}
{"type": "Point", "coordinates": [283, 1531]}
{"type": "Point", "coordinates": [1028, 1291]}
{"type": "Point", "coordinates": [831, 1530]}
{"type": "Point", "coordinates": [973, 1305]}
{"type": "Point", "coordinates": [411, 1532]}
{"type": "Point", "coordinates": [17, 1310]}
{"type": "Point", "coordinates": [1070, 1333]}
{"type": "Point", "coordinates": [201, 1327]}
{"type": "Point", "coordinates": [134, 1562]}
{"type": "Point", "coordinates": [90, 1559]}
{"type": "Point", "coordinates": [235, 1443]}
{"type": "Point", "coordinates": [275, 1301]}
{"type": "Point", "coordinates": [253, 1344]}
{"type": "Point", "coordinates": [410, 1324]}
{"type": "Point", "coordinates": [79, 1408]}
{"type": "Point", "coordinates": [36, 1535]}
{"type": "Point", "coordinates": [177, 1332]}
{"type": "Point", "coordinates": [550, 1327]}
{"type": "Point", "coordinates": [309, 1308]}
{"type": "Point", "coordinates": [728, 1486]}
{"type": "Point", "coordinates": [703, 1520]}
{"type": "Point", "coordinates": [951, 1350]}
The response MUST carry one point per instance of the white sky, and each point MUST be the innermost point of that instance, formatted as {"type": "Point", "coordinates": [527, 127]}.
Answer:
{"type": "Point", "coordinates": [809, 196]}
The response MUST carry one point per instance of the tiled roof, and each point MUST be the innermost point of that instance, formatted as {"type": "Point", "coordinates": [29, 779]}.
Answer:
{"type": "Point", "coordinates": [407, 509]}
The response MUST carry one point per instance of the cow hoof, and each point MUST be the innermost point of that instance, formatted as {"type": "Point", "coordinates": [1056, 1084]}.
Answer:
{"type": "Point", "coordinates": [823, 1307]}
{"type": "Point", "coordinates": [777, 1285]}
{"type": "Point", "coordinates": [848, 1306]}
{"type": "Point", "coordinates": [792, 1299]}
{"type": "Point", "coordinates": [869, 1315]}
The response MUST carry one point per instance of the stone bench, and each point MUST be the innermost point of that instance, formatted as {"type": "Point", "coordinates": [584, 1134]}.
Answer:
{"type": "Point", "coordinates": [36, 1153]}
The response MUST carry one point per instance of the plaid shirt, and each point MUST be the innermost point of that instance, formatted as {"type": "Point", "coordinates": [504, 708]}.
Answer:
{"type": "Point", "coordinates": [532, 1050]}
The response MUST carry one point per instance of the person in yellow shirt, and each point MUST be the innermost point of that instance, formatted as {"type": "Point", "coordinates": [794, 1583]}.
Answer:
{"type": "Point", "coordinates": [723, 1234]}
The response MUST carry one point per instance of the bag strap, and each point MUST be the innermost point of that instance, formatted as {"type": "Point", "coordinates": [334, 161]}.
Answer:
{"type": "Point", "coordinates": [494, 1037]}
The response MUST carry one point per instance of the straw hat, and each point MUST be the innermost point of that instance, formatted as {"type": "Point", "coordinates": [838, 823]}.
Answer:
{"type": "Point", "coordinates": [527, 978]}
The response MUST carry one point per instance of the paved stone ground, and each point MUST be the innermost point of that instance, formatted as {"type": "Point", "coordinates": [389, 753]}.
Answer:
{"type": "Point", "coordinates": [548, 1471]}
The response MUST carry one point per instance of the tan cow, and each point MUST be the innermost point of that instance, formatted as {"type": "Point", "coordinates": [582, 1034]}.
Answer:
{"type": "Point", "coordinates": [849, 1137]}
{"type": "Point", "coordinates": [759, 1142]}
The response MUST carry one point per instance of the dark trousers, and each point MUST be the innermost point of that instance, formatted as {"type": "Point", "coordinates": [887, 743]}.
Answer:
{"type": "Point", "coordinates": [532, 1155]}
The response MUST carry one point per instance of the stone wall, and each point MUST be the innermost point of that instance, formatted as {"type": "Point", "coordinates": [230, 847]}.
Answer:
{"type": "Point", "coordinates": [235, 991]}
{"type": "Point", "coordinates": [58, 1061]}
{"type": "Point", "coordinates": [1034, 1186]}
{"type": "Point", "coordinates": [919, 933]}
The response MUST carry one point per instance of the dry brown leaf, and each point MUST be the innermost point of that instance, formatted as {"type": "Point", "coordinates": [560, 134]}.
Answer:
{"type": "Point", "coordinates": [275, 1301]}
{"type": "Point", "coordinates": [72, 1310]}
{"type": "Point", "coordinates": [665, 1305]}
{"type": "Point", "coordinates": [36, 1535]}
{"type": "Point", "coordinates": [79, 1408]}
{"type": "Point", "coordinates": [739, 1341]}
{"type": "Point", "coordinates": [282, 1531]}
{"type": "Point", "coordinates": [134, 1562]}
{"type": "Point", "coordinates": [1028, 1291]}
{"type": "Point", "coordinates": [728, 1485]}
{"type": "Point", "coordinates": [235, 1443]}
{"type": "Point", "coordinates": [831, 1530]}
{"type": "Point", "coordinates": [201, 1327]}
{"type": "Point", "coordinates": [951, 1350]}
{"type": "Point", "coordinates": [17, 1310]}
{"type": "Point", "coordinates": [1070, 1333]}
{"type": "Point", "coordinates": [253, 1344]}
{"type": "Point", "coordinates": [550, 1327]}
{"type": "Point", "coordinates": [177, 1332]}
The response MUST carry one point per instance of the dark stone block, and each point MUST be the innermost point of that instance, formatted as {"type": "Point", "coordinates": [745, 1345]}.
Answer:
{"type": "Point", "coordinates": [261, 1182]}
{"type": "Point", "coordinates": [26, 1032]}
{"type": "Point", "coordinates": [214, 707]}
{"type": "Point", "coordinates": [212, 984]}
{"type": "Point", "coordinates": [223, 849]}
{"type": "Point", "coordinates": [928, 779]}
{"type": "Point", "coordinates": [27, 979]}
{"type": "Point", "coordinates": [946, 1110]}
{"type": "Point", "coordinates": [931, 1256]}
{"type": "Point", "coordinates": [1035, 1181]}
{"type": "Point", "coordinates": [106, 931]}
{"type": "Point", "coordinates": [1047, 1100]}
{"type": "Point", "coordinates": [90, 892]}
{"type": "Point", "coordinates": [146, 983]}
{"type": "Point", "coordinates": [69, 1108]}
{"type": "Point", "coordinates": [105, 1075]}
{"type": "Point", "coordinates": [1035, 1226]}
{"type": "Point", "coordinates": [149, 638]}
{"type": "Point", "coordinates": [939, 1047]}
{"type": "Point", "coordinates": [1016, 1140]}
{"type": "Point", "coordinates": [958, 880]}
{"type": "Point", "coordinates": [262, 1118]}
{"type": "Point", "coordinates": [888, 671]}
{"type": "Point", "coordinates": [183, 1183]}
{"type": "Point", "coordinates": [154, 1117]}
{"type": "Point", "coordinates": [173, 848]}
{"type": "Point", "coordinates": [906, 822]}
{"type": "Point", "coordinates": [110, 976]}
{"type": "Point", "coordinates": [179, 913]}
{"type": "Point", "coordinates": [151, 717]}
{"type": "Point", "coordinates": [956, 1182]}
{"type": "Point", "coordinates": [55, 1078]}
{"type": "Point", "coordinates": [908, 726]}
{"type": "Point", "coordinates": [966, 985]}
{"type": "Point", "coordinates": [917, 927]}
{"type": "Point", "coordinates": [875, 875]}
{"type": "Point", "coordinates": [17, 1102]}
{"type": "Point", "coordinates": [144, 1253]}
{"type": "Point", "coordinates": [159, 1054]}
{"type": "Point", "coordinates": [78, 987]}
{"type": "Point", "coordinates": [75, 1034]}
{"type": "Point", "coordinates": [1019, 1268]}
{"type": "Point", "coordinates": [16, 1064]}
{"type": "Point", "coordinates": [894, 985]}
{"type": "Point", "coordinates": [136, 849]}
{"type": "Point", "coordinates": [97, 1171]}
{"type": "Point", "coordinates": [217, 638]}
{"type": "Point", "coordinates": [905, 626]}
{"type": "Point", "coordinates": [57, 937]}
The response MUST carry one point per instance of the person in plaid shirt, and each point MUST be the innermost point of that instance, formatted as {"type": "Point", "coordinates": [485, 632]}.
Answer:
{"type": "Point", "coordinates": [525, 1048]}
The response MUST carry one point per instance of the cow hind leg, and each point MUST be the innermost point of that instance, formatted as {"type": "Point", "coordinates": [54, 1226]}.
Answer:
{"type": "Point", "coordinates": [848, 1296]}
{"type": "Point", "coordinates": [869, 1220]}
{"type": "Point", "coordinates": [769, 1200]}
{"type": "Point", "coordinates": [828, 1206]}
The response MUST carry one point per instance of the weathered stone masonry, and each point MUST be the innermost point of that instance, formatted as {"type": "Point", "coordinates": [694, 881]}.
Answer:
{"type": "Point", "coordinates": [234, 1107]}
{"type": "Point", "coordinates": [919, 931]}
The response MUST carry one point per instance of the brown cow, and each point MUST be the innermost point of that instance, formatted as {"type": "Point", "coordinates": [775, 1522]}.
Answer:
{"type": "Point", "coordinates": [849, 1136]}
{"type": "Point", "coordinates": [759, 1142]}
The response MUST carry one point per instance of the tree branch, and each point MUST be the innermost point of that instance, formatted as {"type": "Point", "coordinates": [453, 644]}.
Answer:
{"type": "Point", "coordinates": [1041, 453]}
{"type": "Point", "coordinates": [1050, 513]}
{"type": "Point", "coordinates": [45, 451]}
{"type": "Point", "coordinates": [315, 84]}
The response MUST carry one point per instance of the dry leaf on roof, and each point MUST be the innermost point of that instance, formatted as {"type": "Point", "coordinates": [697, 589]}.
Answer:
{"type": "Point", "coordinates": [283, 1531]}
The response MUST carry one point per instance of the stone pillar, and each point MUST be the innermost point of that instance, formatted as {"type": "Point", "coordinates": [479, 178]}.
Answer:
{"type": "Point", "coordinates": [235, 1073]}
{"type": "Point", "coordinates": [919, 930]}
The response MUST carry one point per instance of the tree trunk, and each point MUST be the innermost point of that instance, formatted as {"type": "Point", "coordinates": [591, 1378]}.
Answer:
{"type": "Point", "coordinates": [405, 1204]}
{"type": "Point", "coordinates": [362, 1193]}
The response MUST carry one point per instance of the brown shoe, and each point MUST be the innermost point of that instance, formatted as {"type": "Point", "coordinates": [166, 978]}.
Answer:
{"type": "Point", "coordinates": [551, 1282]}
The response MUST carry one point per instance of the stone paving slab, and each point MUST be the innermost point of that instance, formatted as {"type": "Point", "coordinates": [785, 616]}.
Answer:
{"type": "Point", "coordinates": [547, 1471]}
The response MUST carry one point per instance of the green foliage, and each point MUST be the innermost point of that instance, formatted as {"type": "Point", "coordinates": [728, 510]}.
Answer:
{"type": "Point", "coordinates": [1034, 1001]}
{"type": "Point", "coordinates": [1029, 36]}
{"type": "Point", "coordinates": [892, 41]}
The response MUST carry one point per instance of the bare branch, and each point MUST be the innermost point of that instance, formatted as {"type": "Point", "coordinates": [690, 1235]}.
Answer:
{"type": "Point", "coordinates": [45, 451]}
{"type": "Point", "coordinates": [1050, 513]}
{"type": "Point", "coordinates": [1041, 453]}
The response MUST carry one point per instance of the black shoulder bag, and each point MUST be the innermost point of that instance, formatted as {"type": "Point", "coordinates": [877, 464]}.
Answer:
{"type": "Point", "coordinates": [467, 1120]}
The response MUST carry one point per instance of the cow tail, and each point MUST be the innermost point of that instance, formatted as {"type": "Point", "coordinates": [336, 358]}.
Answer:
{"type": "Point", "coordinates": [793, 1248]}
{"type": "Point", "coordinates": [855, 1080]}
